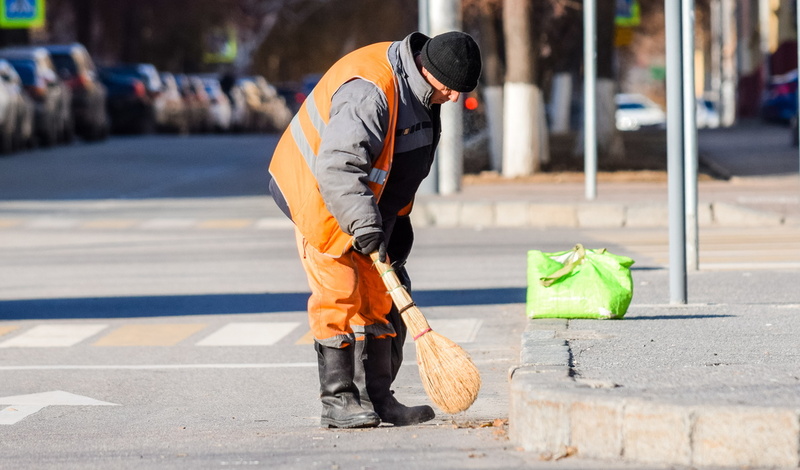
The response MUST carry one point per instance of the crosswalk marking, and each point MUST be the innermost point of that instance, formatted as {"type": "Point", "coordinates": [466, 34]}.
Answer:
{"type": "Point", "coordinates": [7, 329]}
{"type": "Point", "coordinates": [167, 224]}
{"type": "Point", "coordinates": [249, 334]}
{"type": "Point", "coordinates": [225, 223]}
{"type": "Point", "coordinates": [7, 223]}
{"type": "Point", "coordinates": [158, 223]}
{"type": "Point", "coordinates": [149, 335]}
{"type": "Point", "coordinates": [49, 336]}
{"type": "Point", "coordinates": [109, 224]}
{"type": "Point", "coordinates": [307, 338]}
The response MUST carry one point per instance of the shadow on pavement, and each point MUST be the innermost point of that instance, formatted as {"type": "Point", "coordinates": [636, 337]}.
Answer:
{"type": "Point", "coordinates": [674, 317]}
{"type": "Point", "coordinates": [220, 304]}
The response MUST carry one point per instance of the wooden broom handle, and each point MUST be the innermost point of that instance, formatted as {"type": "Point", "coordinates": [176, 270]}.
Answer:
{"type": "Point", "coordinates": [400, 296]}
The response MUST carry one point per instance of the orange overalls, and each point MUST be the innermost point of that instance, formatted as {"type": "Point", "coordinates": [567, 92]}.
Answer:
{"type": "Point", "coordinates": [345, 288]}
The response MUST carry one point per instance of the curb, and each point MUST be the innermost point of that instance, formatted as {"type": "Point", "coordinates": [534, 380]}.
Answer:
{"type": "Point", "coordinates": [553, 414]}
{"type": "Point", "coordinates": [508, 214]}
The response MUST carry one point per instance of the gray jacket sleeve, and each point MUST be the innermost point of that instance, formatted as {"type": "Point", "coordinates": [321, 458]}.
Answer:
{"type": "Point", "coordinates": [351, 142]}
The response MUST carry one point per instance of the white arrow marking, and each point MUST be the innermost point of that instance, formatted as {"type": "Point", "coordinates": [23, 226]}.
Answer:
{"type": "Point", "coordinates": [26, 405]}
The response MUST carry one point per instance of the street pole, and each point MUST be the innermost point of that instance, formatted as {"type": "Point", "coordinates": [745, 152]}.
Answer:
{"type": "Point", "coordinates": [445, 15]}
{"type": "Point", "coordinates": [590, 97]}
{"type": "Point", "coordinates": [675, 149]}
{"type": "Point", "coordinates": [430, 185]}
{"type": "Point", "coordinates": [797, 28]}
{"type": "Point", "coordinates": [690, 134]}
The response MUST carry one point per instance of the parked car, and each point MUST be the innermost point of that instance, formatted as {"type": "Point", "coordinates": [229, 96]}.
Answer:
{"type": "Point", "coordinates": [241, 114]}
{"type": "Point", "coordinates": [158, 116]}
{"type": "Point", "coordinates": [175, 108]}
{"type": "Point", "coordinates": [707, 114]}
{"type": "Point", "coordinates": [23, 109]}
{"type": "Point", "coordinates": [51, 96]}
{"type": "Point", "coordinates": [635, 111]}
{"type": "Point", "coordinates": [128, 104]}
{"type": "Point", "coordinates": [220, 105]}
{"type": "Point", "coordinates": [278, 112]}
{"type": "Point", "coordinates": [9, 107]}
{"type": "Point", "coordinates": [75, 66]}
{"type": "Point", "coordinates": [780, 98]}
{"type": "Point", "coordinates": [269, 110]}
{"type": "Point", "coordinates": [197, 102]}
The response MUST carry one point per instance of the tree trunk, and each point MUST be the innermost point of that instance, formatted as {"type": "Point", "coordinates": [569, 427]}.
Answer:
{"type": "Point", "coordinates": [491, 30]}
{"type": "Point", "coordinates": [609, 141]}
{"type": "Point", "coordinates": [525, 128]}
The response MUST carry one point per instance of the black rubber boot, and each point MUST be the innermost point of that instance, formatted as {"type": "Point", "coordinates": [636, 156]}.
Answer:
{"type": "Point", "coordinates": [340, 404]}
{"type": "Point", "coordinates": [378, 370]}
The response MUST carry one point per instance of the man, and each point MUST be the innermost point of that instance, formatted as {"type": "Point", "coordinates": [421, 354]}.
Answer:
{"type": "Point", "coordinates": [346, 172]}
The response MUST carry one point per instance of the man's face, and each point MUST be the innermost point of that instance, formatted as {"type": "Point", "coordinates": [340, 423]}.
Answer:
{"type": "Point", "coordinates": [441, 94]}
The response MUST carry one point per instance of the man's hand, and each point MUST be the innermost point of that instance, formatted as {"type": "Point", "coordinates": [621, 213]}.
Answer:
{"type": "Point", "coordinates": [369, 243]}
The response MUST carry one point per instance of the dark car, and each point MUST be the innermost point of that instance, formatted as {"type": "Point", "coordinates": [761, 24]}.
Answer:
{"type": "Point", "coordinates": [780, 100]}
{"type": "Point", "coordinates": [78, 71]}
{"type": "Point", "coordinates": [151, 110]}
{"type": "Point", "coordinates": [128, 104]}
{"type": "Point", "coordinates": [51, 96]}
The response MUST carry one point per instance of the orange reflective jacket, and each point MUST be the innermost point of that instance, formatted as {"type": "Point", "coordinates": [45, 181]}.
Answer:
{"type": "Point", "coordinates": [291, 164]}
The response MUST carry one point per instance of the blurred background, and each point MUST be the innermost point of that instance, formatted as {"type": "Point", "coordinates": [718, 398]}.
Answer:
{"type": "Point", "coordinates": [89, 68]}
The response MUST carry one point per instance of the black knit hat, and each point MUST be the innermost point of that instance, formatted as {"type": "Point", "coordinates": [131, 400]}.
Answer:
{"type": "Point", "coordinates": [454, 59]}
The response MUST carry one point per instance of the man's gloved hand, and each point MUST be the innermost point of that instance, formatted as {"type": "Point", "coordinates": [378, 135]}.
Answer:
{"type": "Point", "coordinates": [371, 242]}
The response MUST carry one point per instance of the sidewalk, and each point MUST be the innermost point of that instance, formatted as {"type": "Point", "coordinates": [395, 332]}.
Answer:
{"type": "Point", "coordinates": [761, 188]}
{"type": "Point", "coordinates": [715, 383]}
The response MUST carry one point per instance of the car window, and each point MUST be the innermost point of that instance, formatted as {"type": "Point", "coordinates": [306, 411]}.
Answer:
{"type": "Point", "coordinates": [26, 71]}
{"type": "Point", "coordinates": [65, 63]}
{"type": "Point", "coordinates": [631, 106]}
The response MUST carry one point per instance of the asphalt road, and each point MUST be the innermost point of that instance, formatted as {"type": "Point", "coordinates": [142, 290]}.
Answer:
{"type": "Point", "coordinates": [152, 316]}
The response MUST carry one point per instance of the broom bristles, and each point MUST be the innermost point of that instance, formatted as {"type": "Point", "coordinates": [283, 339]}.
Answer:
{"type": "Point", "coordinates": [448, 375]}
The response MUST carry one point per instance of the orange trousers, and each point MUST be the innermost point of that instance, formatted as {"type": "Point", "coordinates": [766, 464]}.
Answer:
{"type": "Point", "coordinates": [348, 297]}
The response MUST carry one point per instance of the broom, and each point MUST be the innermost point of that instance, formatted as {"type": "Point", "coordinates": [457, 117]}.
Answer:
{"type": "Point", "coordinates": [449, 376]}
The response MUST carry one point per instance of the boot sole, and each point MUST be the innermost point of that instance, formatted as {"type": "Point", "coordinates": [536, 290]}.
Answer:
{"type": "Point", "coordinates": [350, 424]}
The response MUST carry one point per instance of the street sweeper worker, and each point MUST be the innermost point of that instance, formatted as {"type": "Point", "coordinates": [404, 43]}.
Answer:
{"type": "Point", "coordinates": [346, 172]}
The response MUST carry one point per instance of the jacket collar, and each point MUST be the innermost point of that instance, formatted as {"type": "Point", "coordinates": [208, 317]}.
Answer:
{"type": "Point", "coordinates": [406, 66]}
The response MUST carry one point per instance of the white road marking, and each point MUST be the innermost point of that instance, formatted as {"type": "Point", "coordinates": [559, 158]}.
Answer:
{"type": "Point", "coordinates": [284, 365]}
{"type": "Point", "coordinates": [22, 406]}
{"type": "Point", "coordinates": [51, 336]}
{"type": "Point", "coordinates": [249, 334]}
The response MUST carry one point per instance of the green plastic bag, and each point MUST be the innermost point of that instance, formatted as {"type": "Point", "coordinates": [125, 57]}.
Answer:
{"type": "Point", "coordinates": [578, 283]}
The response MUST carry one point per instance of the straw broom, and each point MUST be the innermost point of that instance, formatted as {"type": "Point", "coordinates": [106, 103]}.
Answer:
{"type": "Point", "coordinates": [449, 376]}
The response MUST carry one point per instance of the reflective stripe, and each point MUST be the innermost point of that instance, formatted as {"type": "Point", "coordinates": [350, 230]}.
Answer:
{"type": "Point", "coordinates": [314, 115]}
{"type": "Point", "coordinates": [301, 142]}
{"type": "Point", "coordinates": [377, 176]}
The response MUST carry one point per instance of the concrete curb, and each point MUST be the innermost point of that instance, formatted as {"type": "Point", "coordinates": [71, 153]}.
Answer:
{"type": "Point", "coordinates": [555, 415]}
{"type": "Point", "coordinates": [475, 214]}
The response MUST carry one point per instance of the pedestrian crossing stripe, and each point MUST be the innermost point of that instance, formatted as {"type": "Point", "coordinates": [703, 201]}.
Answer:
{"type": "Point", "coordinates": [249, 334]}
{"type": "Point", "coordinates": [177, 223]}
{"type": "Point", "coordinates": [51, 335]}
{"type": "Point", "coordinates": [149, 335]}
{"type": "Point", "coordinates": [7, 329]}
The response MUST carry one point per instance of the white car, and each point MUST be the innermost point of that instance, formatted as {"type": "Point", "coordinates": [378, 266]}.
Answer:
{"type": "Point", "coordinates": [635, 111]}
{"type": "Point", "coordinates": [707, 114]}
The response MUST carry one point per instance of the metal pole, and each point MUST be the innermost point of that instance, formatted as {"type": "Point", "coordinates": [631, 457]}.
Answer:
{"type": "Point", "coordinates": [430, 185]}
{"type": "Point", "coordinates": [675, 149]}
{"type": "Point", "coordinates": [445, 15]}
{"type": "Point", "coordinates": [797, 32]}
{"type": "Point", "coordinates": [690, 133]}
{"type": "Point", "coordinates": [590, 97]}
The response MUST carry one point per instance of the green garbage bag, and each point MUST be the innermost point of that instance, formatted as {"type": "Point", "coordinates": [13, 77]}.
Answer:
{"type": "Point", "coordinates": [578, 283]}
